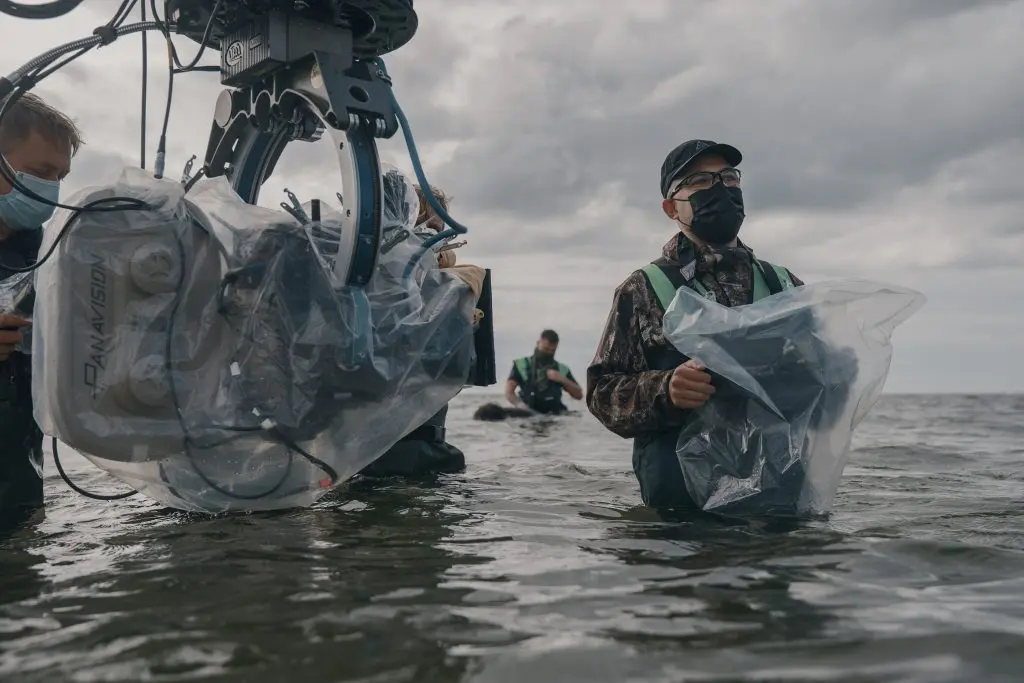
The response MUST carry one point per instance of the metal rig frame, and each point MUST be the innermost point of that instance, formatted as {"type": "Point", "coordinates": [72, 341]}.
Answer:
{"type": "Point", "coordinates": [295, 69]}
{"type": "Point", "coordinates": [292, 69]}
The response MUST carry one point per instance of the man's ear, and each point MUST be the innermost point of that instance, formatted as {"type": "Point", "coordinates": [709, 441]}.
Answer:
{"type": "Point", "coordinates": [669, 207]}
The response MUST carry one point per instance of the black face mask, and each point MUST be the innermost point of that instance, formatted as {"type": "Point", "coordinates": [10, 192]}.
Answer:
{"type": "Point", "coordinates": [717, 213]}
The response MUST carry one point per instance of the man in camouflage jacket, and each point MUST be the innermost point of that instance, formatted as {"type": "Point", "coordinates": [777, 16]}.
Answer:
{"type": "Point", "coordinates": [638, 385]}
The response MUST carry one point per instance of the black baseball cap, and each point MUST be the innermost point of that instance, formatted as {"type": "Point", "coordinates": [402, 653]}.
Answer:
{"type": "Point", "coordinates": [679, 158]}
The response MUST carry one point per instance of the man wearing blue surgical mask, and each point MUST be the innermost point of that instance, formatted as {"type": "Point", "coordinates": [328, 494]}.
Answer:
{"type": "Point", "coordinates": [37, 142]}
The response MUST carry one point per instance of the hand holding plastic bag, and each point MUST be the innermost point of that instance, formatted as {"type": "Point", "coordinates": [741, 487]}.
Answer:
{"type": "Point", "coordinates": [795, 374]}
{"type": "Point", "coordinates": [17, 298]}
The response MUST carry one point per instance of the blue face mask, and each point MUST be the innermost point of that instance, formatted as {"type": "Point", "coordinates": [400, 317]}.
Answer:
{"type": "Point", "coordinates": [21, 212]}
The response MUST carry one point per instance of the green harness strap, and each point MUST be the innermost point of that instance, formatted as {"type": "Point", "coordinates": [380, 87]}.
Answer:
{"type": "Point", "coordinates": [522, 367]}
{"type": "Point", "coordinates": [666, 291]}
{"type": "Point", "coordinates": [523, 364]}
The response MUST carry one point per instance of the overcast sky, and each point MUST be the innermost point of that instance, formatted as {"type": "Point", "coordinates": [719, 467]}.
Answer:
{"type": "Point", "coordinates": [882, 139]}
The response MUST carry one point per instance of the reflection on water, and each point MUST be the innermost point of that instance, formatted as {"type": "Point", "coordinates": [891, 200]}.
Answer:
{"type": "Point", "coordinates": [538, 564]}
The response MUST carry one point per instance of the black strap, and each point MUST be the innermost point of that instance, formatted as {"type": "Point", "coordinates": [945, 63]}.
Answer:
{"type": "Point", "coordinates": [106, 33]}
{"type": "Point", "coordinates": [528, 385]}
{"type": "Point", "coordinates": [428, 433]}
{"type": "Point", "coordinates": [771, 278]}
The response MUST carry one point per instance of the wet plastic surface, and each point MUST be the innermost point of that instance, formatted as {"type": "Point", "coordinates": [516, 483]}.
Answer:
{"type": "Point", "coordinates": [795, 373]}
{"type": "Point", "coordinates": [204, 352]}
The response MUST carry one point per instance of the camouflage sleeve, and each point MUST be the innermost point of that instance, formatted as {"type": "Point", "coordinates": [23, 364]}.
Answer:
{"type": "Point", "coordinates": [626, 397]}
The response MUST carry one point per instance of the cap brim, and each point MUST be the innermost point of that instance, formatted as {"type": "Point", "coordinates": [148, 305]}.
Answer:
{"type": "Point", "coordinates": [731, 155]}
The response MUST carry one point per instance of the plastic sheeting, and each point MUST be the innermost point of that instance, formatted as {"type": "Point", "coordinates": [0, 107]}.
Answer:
{"type": "Point", "coordinates": [795, 373]}
{"type": "Point", "coordinates": [203, 351]}
{"type": "Point", "coordinates": [17, 294]}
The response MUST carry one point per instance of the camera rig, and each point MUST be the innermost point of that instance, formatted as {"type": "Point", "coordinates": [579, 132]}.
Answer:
{"type": "Point", "coordinates": [290, 72]}
{"type": "Point", "coordinates": [294, 70]}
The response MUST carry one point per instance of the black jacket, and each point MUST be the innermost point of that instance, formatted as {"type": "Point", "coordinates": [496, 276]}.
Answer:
{"type": "Point", "coordinates": [21, 441]}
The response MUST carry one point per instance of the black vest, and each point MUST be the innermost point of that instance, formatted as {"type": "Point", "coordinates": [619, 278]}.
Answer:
{"type": "Point", "coordinates": [21, 441]}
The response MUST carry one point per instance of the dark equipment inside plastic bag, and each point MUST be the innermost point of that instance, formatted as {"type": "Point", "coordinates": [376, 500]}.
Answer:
{"type": "Point", "coordinates": [794, 374]}
{"type": "Point", "coordinates": [228, 365]}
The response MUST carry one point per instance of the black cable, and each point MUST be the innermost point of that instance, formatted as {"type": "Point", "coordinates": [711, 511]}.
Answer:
{"type": "Point", "coordinates": [126, 8]}
{"type": "Point", "coordinates": [145, 82]}
{"type": "Point", "coordinates": [332, 474]}
{"type": "Point", "coordinates": [161, 149]}
{"type": "Point", "coordinates": [205, 39]}
{"type": "Point", "coordinates": [40, 74]}
{"type": "Point", "coordinates": [207, 32]}
{"type": "Point", "coordinates": [208, 69]}
{"type": "Point", "coordinates": [74, 487]}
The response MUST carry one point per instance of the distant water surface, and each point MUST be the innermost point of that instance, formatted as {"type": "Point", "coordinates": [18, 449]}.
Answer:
{"type": "Point", "coordinates": [539, 564]}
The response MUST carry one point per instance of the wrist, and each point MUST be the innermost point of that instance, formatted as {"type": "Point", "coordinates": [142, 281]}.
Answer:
{"type": "Point", "coordinates": [671, 409]}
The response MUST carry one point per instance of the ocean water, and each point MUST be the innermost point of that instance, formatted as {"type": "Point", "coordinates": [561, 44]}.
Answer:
{"type": "Point", "coordinates": [539, 564]}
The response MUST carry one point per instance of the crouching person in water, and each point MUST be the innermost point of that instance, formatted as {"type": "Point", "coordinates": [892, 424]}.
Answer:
{"type": "Point", "coordinates": [425, 451]}
{"type": "Point", "coordinates": [639, 386]}
{"type": "Point", "coordinates": [541, 379]}
{"type": "Point", "coordinates": [37, 143]}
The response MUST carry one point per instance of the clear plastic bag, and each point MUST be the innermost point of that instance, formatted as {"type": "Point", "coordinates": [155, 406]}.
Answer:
{"type": "Point", "coordinates": [13, 290]}
{"type": "Point", "coordinates": [17, 297]}
{"type": "Point", "coordinates": [795, 373]}
{"type": "Point", "coordinates": [204, 352]}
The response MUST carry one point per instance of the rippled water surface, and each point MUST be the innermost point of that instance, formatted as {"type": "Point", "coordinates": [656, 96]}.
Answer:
{"type": "Point", "coordinates": [539, 564]}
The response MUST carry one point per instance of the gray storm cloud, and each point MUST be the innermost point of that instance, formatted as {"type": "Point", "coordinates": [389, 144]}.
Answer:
{"type": "Point", "coordinates": [879, 137]}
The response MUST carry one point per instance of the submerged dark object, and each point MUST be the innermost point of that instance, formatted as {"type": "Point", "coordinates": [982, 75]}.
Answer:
{"type": "Point", "coordinates": [493, 412]}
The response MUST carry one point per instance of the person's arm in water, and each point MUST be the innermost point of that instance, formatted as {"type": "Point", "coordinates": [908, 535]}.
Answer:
{"type": "Point", "coordinates": [511, 384]}
{"type": "Point", "coordinates": [622, 393]}
{"type": "Point", "coordinates": [568, 383]}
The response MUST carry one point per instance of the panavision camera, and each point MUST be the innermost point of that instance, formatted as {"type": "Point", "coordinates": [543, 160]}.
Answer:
{"type": "Point", "coordinates": [194, 343]}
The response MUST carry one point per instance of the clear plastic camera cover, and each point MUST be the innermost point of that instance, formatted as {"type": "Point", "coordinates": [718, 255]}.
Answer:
{"type": "Point", "coordinates": [795, 373]}
{"type": "Point", "coordinates": [202, 351]}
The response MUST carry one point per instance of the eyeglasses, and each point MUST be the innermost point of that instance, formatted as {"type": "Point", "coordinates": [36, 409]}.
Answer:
{"type": "Point", "coordinates": [730, 177]}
